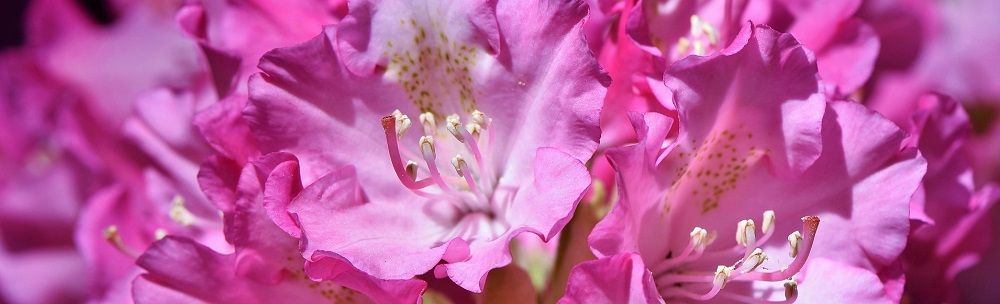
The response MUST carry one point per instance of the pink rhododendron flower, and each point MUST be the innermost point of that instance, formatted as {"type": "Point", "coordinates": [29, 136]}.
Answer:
{"type": "Point", "coordinates": [952, 224]}
{"type": "Point", "coordinates": [266, 266]}
{"type": "Point", "coordinates": [512, 90]}
{"type": "Point", "coordinates": [758, 141]}
{"type": "Point", "coordinates": [42, 188]}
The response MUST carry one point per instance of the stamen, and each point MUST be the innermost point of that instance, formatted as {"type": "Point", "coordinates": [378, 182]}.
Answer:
{"type": "Point", "coordinates": [481, 119]}
{"type": "Point", "coordinates": [722, 274]}
{"type": "Point", "coordinates": [472, 143]}
{"type": "Point", "coordinates": [474, 128]}
{"type": "Point", "coordinates": [454, 125]}
{"type": "Point", "coordinates": [430, 124]}
{"type": "Point", "coordinates": [463, 170]}
{"type": "Point", "coordinates": [793, 243]}
{"type": "Point", "coordinates": [160, 233]}
{"type": "Point", "coordinates": [699, 239]}
{"type": "Point", "coordinates": [458, 162]}
{"type": "Point", "coordinates": [411, 169]}
{"type": "Point", "coordinates": [745, 235]}
{"type": "Point", "coordinates": [427, 146]}
{"type": "Point", "coordinates": [112, 236]}
{"type": "Point", "coordinates": [755, 258]}
{"type": "Point", "coordinates": [389, 126]}
{"type": "Point", "coordinates": [791, 290]}
{"type": "Point", "coordinates": [768, 224]}
{"type": "Point", "coordinates": [809, 224]}
{"type": "Point", "coordinates": [719, 280]}
{"type": "Point", "coordinates": [427, 149]}
{"type": "Point", "coordinates": [402, 123]}
{"type": "Point", "coordinates": [179, 213]}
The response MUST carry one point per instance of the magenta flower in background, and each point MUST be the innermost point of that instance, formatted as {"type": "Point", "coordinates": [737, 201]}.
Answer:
{"type": "Point", "coordinates": [43, 186]}
{"type": "Point", "coordinates": [950, 215]}
{"type": "Point", "coordinates": [521, 118]}
{"type": "Point", "coordinates": [777, 152]}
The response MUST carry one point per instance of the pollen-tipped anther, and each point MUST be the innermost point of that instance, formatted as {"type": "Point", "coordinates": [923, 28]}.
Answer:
{"type": "Point", "coordinates": [699, 237]}
{"type": "Point", "coordinates": [480, 118]}
{"type": "Point", "coordinates": [179, 213]}
{"type": "Point", "coordinates": [427, 146]}
{"type": "Point", "coordinates": [454, 125]}
{"type": "Point", "coordinates": [474, 128]}
{"type": "Point", "coordinates": [411, 169]}
{"type": "Point", "coordinates": [794, 240]}
{"type": "Point", "coordinates": [429, 122]}
{"type": "Point", "coordinates": [791, 290]}
{"type": "Point", "coordinates": [458, 162]}
{"type": "Point", "coordinates": [768, 223]}
{"type": "Point", "coordinates": [722, 274]}
{"type": "Point", "coordinates": [745, 234]}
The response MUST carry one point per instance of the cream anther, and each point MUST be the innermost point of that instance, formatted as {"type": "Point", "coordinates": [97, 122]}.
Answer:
{"type": "Point", "coordinates": [791, 289]}
{"type": "Point", "coordinates": [112, 236]}
{"type": "Point", "coordinates": [745, 235]}
{"type": "Point", "coordinates": [411, 169]}
{"type": "Point", "coordinates": [474, 128]}
{"type": "Point", "coordinates": [402, 124]}
{"type": "Point", "coordinates": [793, 242]}
{"type": "Point", "coordinates": [756, 258]}
{"type": "Point", "coordinates": [768, 223]}
{"type": "Point", "coordinates": [458, 162]}
{"type": "Point", "coordinates": [427, 146]}
{"type": "Point", "coordinates": [430, 123]}
{"type": "Point", "coordinates": [160, 233]}
{"type": "Point", "coordinates": [180, 214]}
{"type": "Point", "coordinates": [722, 274]}
{"type": "Point", "coordinates": [453, 124]}
{"type": "Point", "coordinates": [480, 118]}
{"type": "Point", "coordinates": [111, 233]}
{"type": "Point", "coordinates": [699, 237]}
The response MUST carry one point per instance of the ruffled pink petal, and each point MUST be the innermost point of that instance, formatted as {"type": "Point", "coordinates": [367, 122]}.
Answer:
{"type": "Point", "coordinates": [407, 242]}
{"type": "Point", "coordinates": [621, 278]}
{"type": "Point", "coordinates": [305, 103]}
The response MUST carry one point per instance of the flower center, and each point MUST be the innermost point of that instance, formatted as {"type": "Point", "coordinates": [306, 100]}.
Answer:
{"type": "Point", "coordinates": [675, 279]}
{"type": "Point", "coordinates": [470, 190]}
{"type": "Point", "coordinates": [702, 39]}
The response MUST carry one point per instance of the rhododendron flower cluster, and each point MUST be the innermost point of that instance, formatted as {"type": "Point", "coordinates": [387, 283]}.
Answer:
{"type": "Point", "coordinates": [499, 151]}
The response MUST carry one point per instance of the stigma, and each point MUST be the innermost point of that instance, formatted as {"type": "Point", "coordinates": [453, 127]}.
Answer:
{"type": "Point", "coordinates": [677, 280]}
